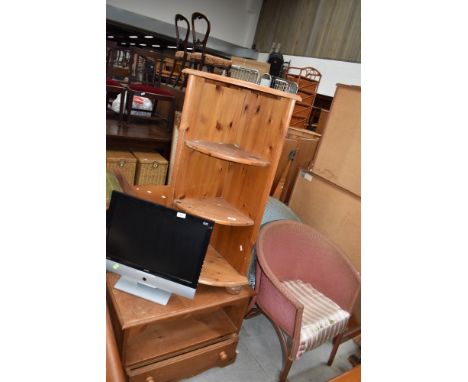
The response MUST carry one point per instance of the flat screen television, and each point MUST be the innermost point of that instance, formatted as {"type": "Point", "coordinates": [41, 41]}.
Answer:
{"type": "Point", "coordinates": [156, 250]}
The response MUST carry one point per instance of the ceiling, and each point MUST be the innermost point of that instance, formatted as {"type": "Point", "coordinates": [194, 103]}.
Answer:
{"type": "Point", "coordinates": [126, 35]}
{"type": "Point", "coordinates": [121, 24]}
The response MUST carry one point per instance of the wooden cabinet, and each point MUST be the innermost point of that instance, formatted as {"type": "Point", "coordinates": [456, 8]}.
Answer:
{"type": "Point", "coordinates": [178, 340]}
{"type": "Point", "coordinates": [308, 80]}
{"type": "Point", "coordinates": [230, 140]}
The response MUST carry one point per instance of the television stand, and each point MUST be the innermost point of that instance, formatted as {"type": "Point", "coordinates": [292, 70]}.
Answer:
{"type": "Point", "coordinates": [157, 295]}
{"type": "Point", "coordinates": [178, 340]}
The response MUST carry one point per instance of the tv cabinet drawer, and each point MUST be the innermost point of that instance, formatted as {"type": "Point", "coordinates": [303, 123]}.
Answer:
{"type": "Point", "coordinates": [188, 364]}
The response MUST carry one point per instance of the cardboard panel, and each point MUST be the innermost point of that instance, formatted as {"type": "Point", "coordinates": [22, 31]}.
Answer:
{"type": "Point", "coordinates": [338, 156]}
{"type": "Point", "coordinates": [333, 211]}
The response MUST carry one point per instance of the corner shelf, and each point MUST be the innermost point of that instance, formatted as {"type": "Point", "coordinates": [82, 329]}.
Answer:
{"type": "Point", "coordinates": [216, 209]}
{"type": "Point", "coordinates": [227, 151]}
{"type": "Point", "coordinates": [216, 271]}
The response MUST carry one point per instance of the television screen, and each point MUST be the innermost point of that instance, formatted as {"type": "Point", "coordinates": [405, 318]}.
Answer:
{"type": "Point", "coordinates": [156, 239]}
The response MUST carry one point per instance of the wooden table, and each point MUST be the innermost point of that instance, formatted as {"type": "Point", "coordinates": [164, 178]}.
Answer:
{"type": "Point", "coordinates": [139, 136]}
{"type": "Point", "coordinates": [178, 340]}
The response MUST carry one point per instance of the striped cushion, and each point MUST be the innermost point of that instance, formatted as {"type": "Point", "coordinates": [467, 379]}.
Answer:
{"type": "Point", "coordinates": [322, 319]}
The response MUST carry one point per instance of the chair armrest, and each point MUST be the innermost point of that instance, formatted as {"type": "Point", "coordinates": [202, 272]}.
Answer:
{"type": "Point", "coordinates": [277, 302]}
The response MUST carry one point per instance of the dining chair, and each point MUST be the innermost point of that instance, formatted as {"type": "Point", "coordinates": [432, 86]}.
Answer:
{"type": "Point", "coordinates": [182, 55]}
{"type": "Point", "coordinates": [146, 78]}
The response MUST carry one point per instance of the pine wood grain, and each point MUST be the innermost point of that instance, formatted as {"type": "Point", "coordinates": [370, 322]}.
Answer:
{"type": "Point", "coordinates": [237, 114]}
{"type": "Point", "coordinates": [133, 311]}
{"type": "Point", "coordinates": [226, 151]}
{"type": "Point", "coordinates": [216, 209]}
{"type": "Point", "coordinates": [156, 341]}
{"type": "Point", "coordinates": [243, 84]}
{"type": "Point", "coordinates": [216, 271]}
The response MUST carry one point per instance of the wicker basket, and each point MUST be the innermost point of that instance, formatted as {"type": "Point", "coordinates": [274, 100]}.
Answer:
{"type": "Point", "coordinates": [124, 161]}
{"type": "Point", "coordinates": [151, 168]}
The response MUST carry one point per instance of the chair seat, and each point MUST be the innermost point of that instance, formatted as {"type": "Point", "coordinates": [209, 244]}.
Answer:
{"type": "Point", "coordinates": [218, 61]}
{"type": "Point", "coordinates": [322, 318]}
{"type": "Point", "coordinates": [180, 54]}
{"type": "Point", "coordinates": [150, 89]}
{"type": "Point", "coordinates": [211, 60]}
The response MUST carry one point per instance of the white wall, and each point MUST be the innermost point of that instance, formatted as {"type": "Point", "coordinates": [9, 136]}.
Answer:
{"type": "Point", "coordinates": [233, 21]}
{"type": "Point", "coordinates": [333, 72]}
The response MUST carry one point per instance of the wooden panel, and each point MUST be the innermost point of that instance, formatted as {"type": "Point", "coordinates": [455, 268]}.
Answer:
{"type": "Point", "coordinates": [187, 365]}
{"type": "Point", "coordinates": [338, 157]}
{"type": "Point", "coordinates": [161, 340]}
{"type": "Point", "coordinates": [114, 368]}
{"type": "Point", "coordinates": [216, 209]}
{"type": "Point", "coordinates": [227, 152]}
{"type": "Point", "coordinates": [241, 84]}
{"type": "Point", "coordinates": [306, 147]}
{"type": "Point", "coordinates": [216, 271]}
{"type": "Point", "coordinates": [333, 211]}
{"type": "Point", "coordinates": [314, 28]}
{"type": "Point", "coordinates": [353, 375]}
{"type": "Point", "coordinates": [132, 311]}
{"type": "Point", "coordinates": [160, 194]}
{"type": "Point", "coordinates": [289, 145]}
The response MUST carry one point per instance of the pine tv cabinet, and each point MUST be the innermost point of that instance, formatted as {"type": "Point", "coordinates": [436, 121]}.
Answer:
{"type": "Point", "coordinates": [160, 343]}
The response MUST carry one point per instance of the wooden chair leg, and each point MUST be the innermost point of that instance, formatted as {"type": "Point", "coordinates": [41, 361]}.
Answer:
{"type": "Point", "coordinates": [288, 358]}
{"type": "Point", "coordinates": [287, 366]}
{"type": "Point", "coordinates": [336, 344]}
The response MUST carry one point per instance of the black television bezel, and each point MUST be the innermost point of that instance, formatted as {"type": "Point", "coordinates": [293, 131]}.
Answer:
{"type": "Point", "coordinates": [188, 216]}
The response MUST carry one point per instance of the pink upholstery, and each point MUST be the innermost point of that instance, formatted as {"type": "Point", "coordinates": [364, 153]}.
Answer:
{"type": "Point", "coordinates": [289, 251]}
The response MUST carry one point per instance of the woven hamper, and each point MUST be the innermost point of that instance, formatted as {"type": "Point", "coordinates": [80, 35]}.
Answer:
{"type": "Point", "coordinates": [151, 168]}
{"type": "Point", "coordinates": [124, 161]}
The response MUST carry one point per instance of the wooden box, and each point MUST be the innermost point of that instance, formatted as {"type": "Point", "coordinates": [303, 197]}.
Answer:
{"type": "Point", "coordinates": [124, 161]}
{"type": "Point", "coordinates": [151, 168]}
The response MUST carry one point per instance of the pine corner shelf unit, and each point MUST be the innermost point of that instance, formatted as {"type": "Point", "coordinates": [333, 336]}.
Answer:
{"type": "Point", "coordinates": [230, 139]}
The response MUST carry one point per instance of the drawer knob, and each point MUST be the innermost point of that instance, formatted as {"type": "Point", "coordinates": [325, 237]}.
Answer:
{"type": "Point", "coordinates": [223, 356]}
{"type": "Point", "coordinates": [149, 378]}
